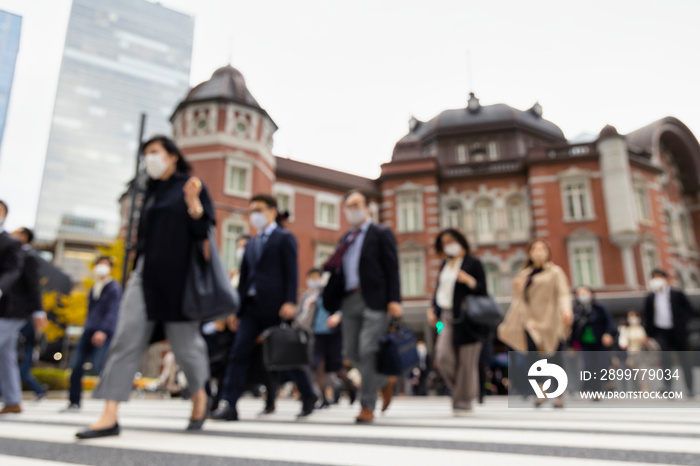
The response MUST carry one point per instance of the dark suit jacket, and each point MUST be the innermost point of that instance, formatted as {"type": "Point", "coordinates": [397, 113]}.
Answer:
{"type": "Point", "coordinates": [681, 309]}
{"type": "Point", "coordinates": [467, 332]}
{"type": "Point", "coordinates": [11, 266]}
{"type": "Point", "coordinates": [275, 275]}
{"type": "Point", "coordinates": [379, 271]}
{"type": "Point", "coordinates": [26, 294]}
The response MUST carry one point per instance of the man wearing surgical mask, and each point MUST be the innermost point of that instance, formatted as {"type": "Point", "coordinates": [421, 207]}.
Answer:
{"type": "Point", "coordinates": [100, 325]}
{"type": "Point", "coordinates": [666, 315]}
{"type": "Point", "coordinates": [365, 286]}
{"type": "Point", "coordinates": [268, 288]}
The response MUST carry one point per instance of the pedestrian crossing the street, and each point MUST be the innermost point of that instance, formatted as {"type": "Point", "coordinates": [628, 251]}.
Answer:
{"type": "Point", "coordinates": [415, 431]}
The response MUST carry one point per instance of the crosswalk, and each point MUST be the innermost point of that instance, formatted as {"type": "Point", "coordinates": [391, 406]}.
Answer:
{"type": "Point", "coordinates": [415, 431]}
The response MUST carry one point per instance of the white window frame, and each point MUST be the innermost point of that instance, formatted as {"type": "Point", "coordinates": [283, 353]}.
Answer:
{"type": "Point", "coordinates": [330, 199]}
{"type": "Point", "coordinates": [461, 152]}
{"type": "Point", "coordinates": [587, 205]}
{"type": "Point", "coordinates": [493, 280]}
{"type": "Point", "coordinates": [449, 215]}
{"type": "Point", "coordinates": [226, 254]}
{"type": "Point", "coordinates": [402, 226]}
{"type": "Point", "coordinates": [642, 203]}
{"type": "Point", "coordinates": [286, 190]}
{"type": "Point", "coordinates": [524, 220]}
{"type": "Point", "coordinates": [686, 230]}
{"type": "Point", "coordinates": [418, 256]}
{"type": "Point", "coordinates": [485, 236]}
{"type": "Point", "coordinates": [322, 251]}
{"type": "Point", "coordinates": [492, 150]}
{"type": "Point", "coordinates": [647, 267]}
{"type": "Point", "coordinates": [597, 272]}
{"type": "Point", "coordinates": [240, 164]}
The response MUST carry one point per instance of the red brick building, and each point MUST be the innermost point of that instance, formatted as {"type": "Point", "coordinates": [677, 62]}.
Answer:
{"type": "Point", "coordinates": [612, 208]}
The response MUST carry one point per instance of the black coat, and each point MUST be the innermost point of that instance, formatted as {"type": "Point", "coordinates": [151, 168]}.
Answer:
{"type": "Point", "coordinates": [26, 294]}
{"type": "Point", "coordinates": [275, 276]}
{"type": "Point", "coordinates": [466, 332]}
{"type": "Point", "coordinates": [598, 318]}
{"type": "Point", "coordinates": [379, 272]}
{"type": "Point", "coordinates": [11, 266]}
{"type": "Point", "coordinates": [681, 309]}
{"type": "Point", "coordinates": [166, 236]}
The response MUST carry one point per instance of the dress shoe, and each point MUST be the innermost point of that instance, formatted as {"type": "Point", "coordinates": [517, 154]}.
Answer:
{"type": "Point", "coordinates": [308, 406]}
{"type": "Point", "coordinates": [11, 409]}
{"type": "Point", "coordinates": [196, 425]}
{"type": "Point", "coordinates": [72, 408]}
{"type": "Point", "coordinates": [323, 405]}
{"type": "Point", "coordinates": [366, 416]}
{"type": "Point", "coordinates": [388, 392]}
{"type": "Point", "coordinates": [97, 433]}
{"type": "Point", "coordinates": [225, 412]}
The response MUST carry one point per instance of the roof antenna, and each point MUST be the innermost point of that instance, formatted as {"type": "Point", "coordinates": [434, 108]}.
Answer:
{"type": "Point", "coordinates": [470, 80]}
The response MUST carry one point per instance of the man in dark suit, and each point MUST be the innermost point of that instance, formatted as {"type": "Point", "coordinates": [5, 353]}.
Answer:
{"type": "Point", "coordinates": [13, 316]}
{"type": "Point", "coordinates": [666, 315]}
{"type": "Point", "coordinates": [364, 286]}
{"type": "Point", "coordinates": [268, 288]}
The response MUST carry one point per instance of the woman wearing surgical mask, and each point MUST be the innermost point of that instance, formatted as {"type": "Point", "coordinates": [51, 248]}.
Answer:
{"type": "Point", "coordinates": [540, 316]}
{"type": "Point", "coordinates": [592, 333]}
{"type": "Point", "coordinates": [458, 345]}
{"type": "Point", "coordinates": [177, 211]}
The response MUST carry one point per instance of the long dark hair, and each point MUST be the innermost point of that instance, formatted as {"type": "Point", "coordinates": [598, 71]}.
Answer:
{"type": "Point", "coordinates": [528, 262]}
{"type": "Point", "coordinates": [456, 234]}
{"type": "Point", "coordinates": [182, 166]}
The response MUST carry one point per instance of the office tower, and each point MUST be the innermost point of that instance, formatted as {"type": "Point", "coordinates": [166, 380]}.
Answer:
{"type": "Point", "coordinates": [10, 28]}
{"type": "Point", "coordinates": [121, 58]}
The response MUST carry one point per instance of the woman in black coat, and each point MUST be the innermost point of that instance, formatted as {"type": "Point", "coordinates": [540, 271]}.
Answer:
{"type": "Point", "coordinates": [459, 343]}
{"type": "Point", "coordinates": [177, 212]}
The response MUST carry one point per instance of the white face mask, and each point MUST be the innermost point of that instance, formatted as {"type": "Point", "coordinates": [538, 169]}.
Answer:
{"type": "Point", "coordinates": [239, 254]}
{"type": "Point", "coordinates": [156, 166]}
{"type": "Point", "coordinates": [657, 284]}
{"type": "Point", "coordinates": [634, 321]}
{"type": "Point", "coordinates": [258, 220]}
{"type": "Point", "coordinates": [102, 270]}
{"type": "Point", "coordinates": [453, 249]}
{"type": "Point", "coordinates": [313, 284]}
{"type": "Point", "coordinates": [2, 221]}
{"type": "Point", "coordinates": [355, 216]}
{"type": "Point", "coordinates": [585, 299]}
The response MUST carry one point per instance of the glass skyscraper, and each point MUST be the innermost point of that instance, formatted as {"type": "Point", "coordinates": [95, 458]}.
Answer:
{"type": "Point", "coordinates": [10, 28]}
{"type": "Point", "coordinates": [121, 58]}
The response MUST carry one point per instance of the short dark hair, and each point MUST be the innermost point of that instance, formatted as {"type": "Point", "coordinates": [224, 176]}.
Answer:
{"type": "Point", "coordinates": [456, 234]}
{"type": "Point", "coordinates": [357, 191]}
{"type": "Point", "coordinates": [585, 287]}
{"type": "Point", "coordinates": [314, 270]}
{"type": "Point", "coordinates": [183, 166]}
{"type": "Point", "coordinates": [269, 200]}
{"type": "Point", "coordinates": [7, 210]}
{"type": "Point", "coordinates": [28, 233]}
{"type": "Point", "coordinates": [105, 259]}
{"type": "Point", "coordinates": [658, 271]}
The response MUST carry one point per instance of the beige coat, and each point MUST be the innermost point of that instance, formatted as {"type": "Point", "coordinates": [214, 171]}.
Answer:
{"type": "Point", "coordinates": [543, 316]}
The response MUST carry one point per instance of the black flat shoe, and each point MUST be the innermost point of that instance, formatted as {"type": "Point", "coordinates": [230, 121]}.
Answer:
{"type": "Point", "coordinates": [97, 433]}
{"type": "Point", "coordinates": [196, 425]}
{"type": "Point", "coordinates": [225, 413]}
{"type": "Point", "coordinates": [308, 406]}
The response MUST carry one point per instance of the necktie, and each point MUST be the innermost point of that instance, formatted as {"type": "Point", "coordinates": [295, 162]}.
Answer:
{"type": "Point", "coordinates": [259, 243]}
{"type": "Point", "coordinates": [335, 263]}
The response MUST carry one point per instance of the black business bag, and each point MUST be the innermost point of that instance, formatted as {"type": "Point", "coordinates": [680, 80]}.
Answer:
{"type": "Point", "coordinates": [286, 347]}
{"type": "Point", "coordinates": [397, 350]}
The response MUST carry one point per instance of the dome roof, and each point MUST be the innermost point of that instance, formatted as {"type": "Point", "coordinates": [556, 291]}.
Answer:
{"type": "Point", "coordinates": [485, 117]}
{"type": "Point", "coordinates": [226, 83]}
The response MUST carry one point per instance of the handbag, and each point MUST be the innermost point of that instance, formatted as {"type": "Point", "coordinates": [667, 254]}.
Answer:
{"type": "Point", "coordinates": [208, 292]}
{"type": "Point", "coordinates": [481, 310]}
{"type": "Point", "coordinates": [397, 350]}
{"type": "Point", "coordinates": [286, 347]}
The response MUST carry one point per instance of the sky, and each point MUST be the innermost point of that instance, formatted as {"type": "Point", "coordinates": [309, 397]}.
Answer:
{"type": "Point", "coordinates": [342, 79]}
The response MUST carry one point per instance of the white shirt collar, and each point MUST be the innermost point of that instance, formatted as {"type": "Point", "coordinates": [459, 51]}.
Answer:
{"type": "Point", "coordinates": [269, 229]}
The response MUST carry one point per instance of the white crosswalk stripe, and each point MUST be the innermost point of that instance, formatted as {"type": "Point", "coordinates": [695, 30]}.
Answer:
{"type": "Point", "coordinates": [415, 431]}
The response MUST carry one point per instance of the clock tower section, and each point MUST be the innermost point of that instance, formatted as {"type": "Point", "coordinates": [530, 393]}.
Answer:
{"type": "Point", "coordinates": [227, 137]}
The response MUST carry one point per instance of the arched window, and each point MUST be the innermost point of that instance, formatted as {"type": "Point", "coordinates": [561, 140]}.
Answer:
{"type": "Point", "coordinates": [517, 216]}
{"type": "Point", "coordinates": [484, 220]}
{"type": "Point", "coordinates": [453, 215]}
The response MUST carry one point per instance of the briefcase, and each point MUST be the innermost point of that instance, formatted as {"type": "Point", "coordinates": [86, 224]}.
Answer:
{"type": "Point", "coordinates": [286, 347]}
{"type": "Point", "coordinates": [397, 351]}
